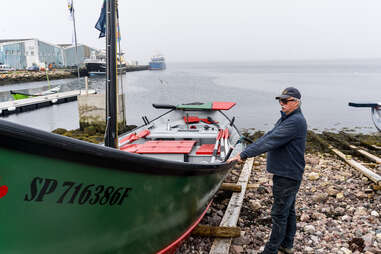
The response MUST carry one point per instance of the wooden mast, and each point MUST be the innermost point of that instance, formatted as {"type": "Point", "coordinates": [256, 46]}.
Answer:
{"type": "Point", "coordinates": [111, 139]}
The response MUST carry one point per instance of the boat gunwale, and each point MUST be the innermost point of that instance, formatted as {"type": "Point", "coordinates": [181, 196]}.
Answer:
{"type": "Point", "coordinates": [19, 137]}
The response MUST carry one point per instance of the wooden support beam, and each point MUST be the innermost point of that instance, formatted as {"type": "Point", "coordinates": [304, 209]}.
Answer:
{"type": "Point", "coordinates": [356, 165]}
{"type": "Point", "coordinates": [210, 231]}
{"type": "Point", "coordinates": [252, 186]}
{"type": "Point", "coordinates": [365, 171]}
{"type": "Point", "coordinates": [230, 219]}
{"type": "Point", "coordinates": [231, 187]}
{"type": "Point", "coordinates": [366, 154]}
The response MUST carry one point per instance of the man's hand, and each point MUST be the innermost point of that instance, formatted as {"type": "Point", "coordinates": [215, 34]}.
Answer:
{"type": "Point", "coordinates": [235, 158]}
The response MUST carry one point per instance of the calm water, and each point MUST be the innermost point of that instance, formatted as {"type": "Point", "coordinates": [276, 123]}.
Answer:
{"type": "Point", "coordinates": [326, 87]}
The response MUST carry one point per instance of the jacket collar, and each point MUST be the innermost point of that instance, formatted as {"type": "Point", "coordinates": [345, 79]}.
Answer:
{"type": "Point", "coordinates": [284, 116]}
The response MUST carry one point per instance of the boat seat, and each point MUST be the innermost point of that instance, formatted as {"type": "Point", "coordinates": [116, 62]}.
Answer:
{"type": "Point", "coordinates": [161, 147]}
{"type": "Point", "coordinates": [176, 150]}
{"type": "Point", "coordinates": [167, 146]}
{"type": "Point", "coordinates": [206, 149]}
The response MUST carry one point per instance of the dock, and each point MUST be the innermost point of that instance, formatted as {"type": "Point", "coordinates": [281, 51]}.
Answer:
{"type": "Point", "coordinates": [24, 105]}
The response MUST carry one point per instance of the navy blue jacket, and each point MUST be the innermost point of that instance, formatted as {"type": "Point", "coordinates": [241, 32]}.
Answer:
{"type": "Point", "coordinates": [285, 144]}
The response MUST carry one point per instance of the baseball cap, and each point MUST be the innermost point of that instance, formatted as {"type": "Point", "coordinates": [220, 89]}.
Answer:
{"type": "Point", "coordinates": [289, 92]}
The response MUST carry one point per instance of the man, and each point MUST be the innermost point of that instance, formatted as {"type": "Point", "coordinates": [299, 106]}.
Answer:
{"type": "Point", "coordinates": [285, 145]}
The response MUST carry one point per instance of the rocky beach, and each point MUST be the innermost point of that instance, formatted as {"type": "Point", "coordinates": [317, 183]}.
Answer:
{"type": "Point", "coordinates": [28, 76]}
{"type": "Point", "coordinates": [338, 209]}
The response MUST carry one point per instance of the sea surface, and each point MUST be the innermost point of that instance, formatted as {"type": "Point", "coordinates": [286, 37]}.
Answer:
{"type": "Point", "coordinates": [326, 88]}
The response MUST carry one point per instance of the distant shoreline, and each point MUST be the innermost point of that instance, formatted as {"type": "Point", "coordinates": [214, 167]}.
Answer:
{"type": "Point", "coordinates": [28, 76]}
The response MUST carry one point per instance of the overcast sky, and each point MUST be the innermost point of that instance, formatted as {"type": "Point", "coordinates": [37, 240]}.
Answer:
{"type": "Point", "coordinates": [211, 30]}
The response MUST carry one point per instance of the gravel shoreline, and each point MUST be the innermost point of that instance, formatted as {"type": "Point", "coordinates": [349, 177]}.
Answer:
{"type": "Point", "coordinates": [338, 211]}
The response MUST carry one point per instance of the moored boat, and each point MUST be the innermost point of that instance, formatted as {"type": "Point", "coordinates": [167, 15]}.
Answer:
{"type": "Point", "coordinates": [141, 193]}
{"type": "Point", "coordinates": [375, 111]}
{"type": "Point", "coordinates": [96, 64]}
{"type": "Point", "coordinates": [157, 63]}
{"type": "Point", "coordinates": [18, 95]}
{"type": "Point", "coordinates": [65, 195]}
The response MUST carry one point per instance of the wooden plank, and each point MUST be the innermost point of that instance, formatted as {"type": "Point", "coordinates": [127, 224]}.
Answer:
{"type": "Point", "coordinates": [366, 154]}
{"type": "Point", "coordinates": [230, 219]}
{"type": "Point", "coordinates": [365, 171]}
{"type": "Point", "coordinates": [231, 187]}
{"type": "Point", "coordinates": [252, 186]}
{"type": "Point", "coordinates": [210, 231]}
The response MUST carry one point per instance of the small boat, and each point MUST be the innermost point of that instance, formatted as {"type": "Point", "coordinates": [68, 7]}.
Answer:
{"type": "Point", "coordinates": [142, 193]}
{"type": "Point", "coordinates": [157, 63]}
{"type": "Point", "coordinates": [375, 111]}
{"type": "Point", "coordinates": [21, 95]}
{"type": "Point", "coordinates": [96, 64]}
{"type": "Point", "coordinates": [64, 195]}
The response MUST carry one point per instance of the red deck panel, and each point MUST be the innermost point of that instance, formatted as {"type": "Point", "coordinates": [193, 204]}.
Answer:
{"type": "Point", "coordinates": [221, 105]}
{"type": "Point", "coordinates": [167, 146]}
{"type": "Point", "coordinates": [206, 149]}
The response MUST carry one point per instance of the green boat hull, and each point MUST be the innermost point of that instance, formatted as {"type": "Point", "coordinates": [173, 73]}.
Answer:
{"type": "Point", "coordinates": [67, 196]}
{"type": "Point", "coordinates": [18, 96]}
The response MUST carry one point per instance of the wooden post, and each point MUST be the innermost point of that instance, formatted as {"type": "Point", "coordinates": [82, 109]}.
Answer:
{"type": "Point", "coordinates": [87, 84]}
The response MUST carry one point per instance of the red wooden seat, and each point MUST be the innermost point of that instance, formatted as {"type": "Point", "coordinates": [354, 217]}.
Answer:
{"type": "Point", "coordinates": [166, 147]}
{"type": "Point", "coordinates": [206, 149]}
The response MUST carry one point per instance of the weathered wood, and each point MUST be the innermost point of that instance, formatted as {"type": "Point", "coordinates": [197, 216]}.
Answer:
{"type": "Point", "coordinates": [223, 232]}
{"type": "Point", "coordinates": [252, 186]}
{"type": "Point", "coordinates": [365, 171]}
{"type": "Point", "coordinates": [230, 219]}
{"type": "Point", "coordinates": [366, 154]}
{"type": "Point", "coordinates": [231, 187]}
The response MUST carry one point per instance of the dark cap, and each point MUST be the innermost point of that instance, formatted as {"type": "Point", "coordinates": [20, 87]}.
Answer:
{"type": "Point", "coordinates": [289, 92]}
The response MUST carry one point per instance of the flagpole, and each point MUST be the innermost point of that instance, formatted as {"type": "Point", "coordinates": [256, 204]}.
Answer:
{"type": "Point", "coordinates": [76, 45]}
{"type": "Point", "coordinates": [111, 139]}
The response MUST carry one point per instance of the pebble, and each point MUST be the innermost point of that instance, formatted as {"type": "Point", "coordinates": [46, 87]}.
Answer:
{"type": "Point", "coordinates": [313, 176]}
{"type": "Point", "coordinates": [345, 250]}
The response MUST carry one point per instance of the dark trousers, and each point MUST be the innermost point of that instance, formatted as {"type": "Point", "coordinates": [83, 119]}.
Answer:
{"type": "Point", "coordinates": [282, 214]}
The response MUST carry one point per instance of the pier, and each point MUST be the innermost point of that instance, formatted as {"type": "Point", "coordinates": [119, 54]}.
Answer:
{"type": "Point", "coordinates": [24, 105]}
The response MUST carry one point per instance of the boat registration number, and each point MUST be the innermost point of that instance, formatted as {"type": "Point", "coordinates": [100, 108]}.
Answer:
{"type": "Point", "coordinates": [41, 189]}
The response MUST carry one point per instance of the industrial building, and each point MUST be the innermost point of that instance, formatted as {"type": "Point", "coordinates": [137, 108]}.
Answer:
{"type": "Point", "coordinates": [24, 53]}
{"type": "Point", "coordinates": [70, 56]}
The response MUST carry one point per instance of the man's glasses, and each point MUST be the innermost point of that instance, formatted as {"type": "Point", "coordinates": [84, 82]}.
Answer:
{"type": "Point", "coordinates": [285, 101]}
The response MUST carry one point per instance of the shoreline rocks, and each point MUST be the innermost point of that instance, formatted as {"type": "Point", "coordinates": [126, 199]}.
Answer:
{"type": "Point", "coordinates": [27, 76]}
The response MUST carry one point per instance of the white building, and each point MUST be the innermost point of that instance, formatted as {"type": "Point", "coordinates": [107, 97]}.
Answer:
{"type": "Point", "coordinates": [24, 53]}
